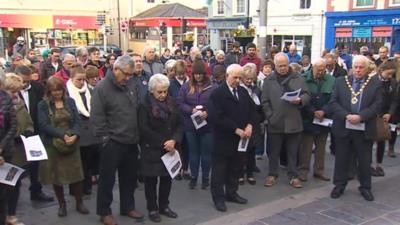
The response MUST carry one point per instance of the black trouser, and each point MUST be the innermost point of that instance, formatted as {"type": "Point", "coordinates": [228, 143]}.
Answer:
{"type": "Point", "coordinates": [184, 153]}
{"type": "Point", "coordinates": [36, 186]}
{"type": "Point", "coordinates": [124, 158]}
{"type": "Point", "coordinates": [225, 171]}
{"type": "Point", "coordinates": [3, 204]}
{"type": "Point", "coordinates": [90, 159]}
{"type": "Point", "coordinates": [380, 149]}
{"type": "Point", "coordinates": [150, 190]}
{"type": "Point", "coordinates": [291, 143]}
{"type": "Point", "coordinates": [354, 143]}
{"type": "Point", "coordinates": [248, 162]}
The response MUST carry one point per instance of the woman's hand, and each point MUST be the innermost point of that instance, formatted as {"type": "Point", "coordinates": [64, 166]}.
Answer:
{"type": "Point", "coordinates": [204, 115]}
{"type": "Point", "coordinates": [2, 161]}
{"type": "Point", "coordinates": [169, 145]}
{"type": "Point", "coordinates": [72, 140]}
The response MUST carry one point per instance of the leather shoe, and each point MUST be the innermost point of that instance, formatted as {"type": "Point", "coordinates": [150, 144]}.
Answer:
{"type": "Point", "coordinates": [41, 197]}
{"type": "Point", "coordinates": [108, 220]}
{"type": "Point", "coordinates": [134, 215]}
{"type": "Point", "coordinates": [236, 198]}
{"type": "Point", "coordinates": [367, 194]}
{"type": "Point", "coordinates": [337, 192]}
{"type": "Point", "coordinates": [62, 211]}
{"type": "Point", "coordinates": [220, 206]}
{"type": "Point", "coordinates": [168, 213]}
{"type": "Point", "coordinates": [322, 177]}
{"type": "Point", "coordinates": [154, 216]}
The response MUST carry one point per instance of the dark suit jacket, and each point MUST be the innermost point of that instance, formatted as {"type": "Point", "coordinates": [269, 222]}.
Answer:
{"type": "Point", "coordinates": [340, 104]}
{"type": "Point", "coordinates": [339, 71]}
{"type": "Point", "coordinates": [35, 96]}
{"type": "Point", "coordinates": [226, 114]}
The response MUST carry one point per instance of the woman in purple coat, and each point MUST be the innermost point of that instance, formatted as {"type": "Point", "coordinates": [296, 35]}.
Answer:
{"type": "Point", "coordinates": [192, 99]}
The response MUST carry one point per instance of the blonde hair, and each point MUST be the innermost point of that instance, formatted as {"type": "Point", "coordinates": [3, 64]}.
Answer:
{"type": "Point", "coordinates": [13, 82]}
{"type": "Point", "coordinates": [250, 69]}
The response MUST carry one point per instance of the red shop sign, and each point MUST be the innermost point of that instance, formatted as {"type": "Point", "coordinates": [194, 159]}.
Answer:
{"type": "Point", "coordinates": [381, 31]}
{"type": "Point", "coordinates": [74, 22]}
{"type": "Point", "coordinates": [343, 32]}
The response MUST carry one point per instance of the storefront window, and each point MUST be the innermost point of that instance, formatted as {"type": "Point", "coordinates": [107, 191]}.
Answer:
{"type": "Point", "coordinates": [394, 2]}
{"type": "Point", "coordinates": [305, 4]}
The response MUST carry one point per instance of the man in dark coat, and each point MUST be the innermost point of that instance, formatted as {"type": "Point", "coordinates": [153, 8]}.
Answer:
{"type": "Point", "coordinates": [231, 112]}
{"type": "Point", "coordinates": [332, 66]}
{"type": "Point", "coordinates": [32, 94]}
{"type": "Point", "coordinates": [355, 102]}
{"type": "Point", "coordinates": [234, 56]}
{"type": "Point", "coordinates": [140, 79]}
{"type": "Point", "coordinates": [52, 65]}
{"type": "Point", "coordinates": [114, 118]}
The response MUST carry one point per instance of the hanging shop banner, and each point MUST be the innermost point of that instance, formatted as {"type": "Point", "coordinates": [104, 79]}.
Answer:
{"type": "Point", "coordinates": [169, 22]}
{"type": "Point", "coordinates": [362, 32]}
{"type": "Point", "coordinates": [26, 21]}
{"type": "Point", "coordinates": [382, 31]}
{"type": "Point", "coordinates": [74, 22]}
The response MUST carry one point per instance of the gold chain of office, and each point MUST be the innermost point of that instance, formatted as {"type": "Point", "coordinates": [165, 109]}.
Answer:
{"type": "Point", "coordinates": [354, 94]}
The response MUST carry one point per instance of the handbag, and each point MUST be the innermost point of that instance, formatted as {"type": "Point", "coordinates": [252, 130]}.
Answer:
{"type": "Point", "coordinates": [382, 130]}
{"type": "Point", "coordinates": [58, 143]}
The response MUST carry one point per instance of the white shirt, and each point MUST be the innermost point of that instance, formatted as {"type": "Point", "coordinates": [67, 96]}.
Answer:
{"type": "Point", "coordinates": [233, 93]}
{"type": "Point", "coordinates": [55, 65]}
{"type": "Point", "coordinates": [25, 96]}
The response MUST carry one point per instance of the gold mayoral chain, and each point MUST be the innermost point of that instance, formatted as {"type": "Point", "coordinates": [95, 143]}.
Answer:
{"type": "Point", "coordinates": [354, 94]}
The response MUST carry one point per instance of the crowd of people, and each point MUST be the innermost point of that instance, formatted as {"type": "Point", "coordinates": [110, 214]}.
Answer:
{"type": "Point", "coordinates": [101, 119]}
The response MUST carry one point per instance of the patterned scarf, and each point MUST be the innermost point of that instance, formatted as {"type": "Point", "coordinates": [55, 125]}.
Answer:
{"type": "Point", "coordinates": [160, 110]}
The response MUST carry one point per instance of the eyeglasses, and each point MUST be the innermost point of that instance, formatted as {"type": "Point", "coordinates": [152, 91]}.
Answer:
{"type": "Point", "coordinates": [128, 74]}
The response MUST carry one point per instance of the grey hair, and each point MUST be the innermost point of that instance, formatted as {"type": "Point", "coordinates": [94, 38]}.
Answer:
{"type": "Point", "coordinates": [232, 68]}
{"type": "Point", "coordinates": [124, 61]}
{"type": "Point", "coordinates": [319, 61]}
{"type": "Point", "coordinates": [295, 67]}
{"type": "Point", "coordinates": [68, 56]}
{"type": "Point", "coordinates": [219, 52]}
{"type": "Point", "coordinates": [81, 50]}
{"type": "Point", "coordinates": [146, 49]}
{"type": "Point", "coordinates": [170, 64]}
{"type": "Point", "coordinates": [280, 54]}
{"type": "Point", "coordinates": [158, 79]}
{"type": "Point", "coordinates": [361, 58]}
{"type": "Point", "coordinates": [250, 68]}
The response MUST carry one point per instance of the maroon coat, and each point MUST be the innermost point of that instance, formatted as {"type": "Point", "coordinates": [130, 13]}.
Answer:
{"type": "Point", "coordinates": [247, 59]}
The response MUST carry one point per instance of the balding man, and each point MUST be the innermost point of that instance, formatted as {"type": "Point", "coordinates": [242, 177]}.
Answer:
{"type": "Point", "coordinates": [292, 54]}
{"type": "Point", "coordinates": [320, 85]}
{"type": "Point", "coordinates": [283, 117]}
{"type": "Point", "coordinates": [383, 55]}
{"type": "Point", "coordinates": [68, 62]}
{"type": "Point", "coordinates": [150, 64]}
{"type": "Point", "coordinates": [231, 111]}
{"type": "Point", "coordinates": [332, 66]}
{"type": "Point", "coordinates": [355, 102]}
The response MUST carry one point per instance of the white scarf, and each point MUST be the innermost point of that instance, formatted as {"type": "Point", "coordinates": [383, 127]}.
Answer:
{"type": "Point", "coordinates": [75, 93]}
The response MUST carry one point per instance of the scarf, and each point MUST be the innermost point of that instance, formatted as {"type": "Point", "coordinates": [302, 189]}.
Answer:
{"type": "Point", "coordinates": [252, 94]}
{"type": "Point", "coordinates": [160, 110]}
{"type": "Point", "coordinates": [75, 93]}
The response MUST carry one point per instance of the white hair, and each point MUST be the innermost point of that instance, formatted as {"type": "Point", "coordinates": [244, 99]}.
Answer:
{"type": "Point", "coordinates": [232, 68]}
{"type": "Point", "coordinates": [361, 58]}
{"type": "Point", "coordinates": [280, 54]}
{"type": "Point", "coordinates": [68, 56]}
{"type": "Point", "coordinates": [250, 68]}
{"type": "Point", "coordinates": [124, 61]}
{"type": "Point", "coordinates": [219, 52]}
{"type": "Point", "coordinates": [81, 50]}
{"type": "Point", "coordinates": [158, 80]}
{"type": "Point", "coordinates": [146, 49]}
{"type": "Point", "coordinates": [319, 61]}
{"type": "Point", "coordinates": [170, 64]}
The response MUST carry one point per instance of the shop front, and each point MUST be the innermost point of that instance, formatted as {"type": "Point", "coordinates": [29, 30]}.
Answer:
{"type": "Point", "coordinates": [179, 32]}
{"type": "Point", "coordinates": [373, 28]}
{"type": "Point", "coordinates": [46, 31]}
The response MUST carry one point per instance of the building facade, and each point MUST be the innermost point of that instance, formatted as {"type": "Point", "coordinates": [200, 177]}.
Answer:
{"type": "Point", "coordinates": [46, 24]}
{"type": "Point", "coordinates": [122, 10]}
{"type": "Point", "coordinates": [356, 23]}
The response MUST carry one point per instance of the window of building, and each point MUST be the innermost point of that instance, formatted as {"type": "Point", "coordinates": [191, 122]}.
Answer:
{"type": "Point", "coordinates": [305, 4]}
{"type": "Point", "coordinates": [364, 3]}
{"type": "Point", "coordinates": [394, 2]}
{"type": "Point", "coordinates": [240, 6]}
{"type": "Point", "coordinates": [220, 7]}
{"type": "Point", "coordinates": [150, 1]}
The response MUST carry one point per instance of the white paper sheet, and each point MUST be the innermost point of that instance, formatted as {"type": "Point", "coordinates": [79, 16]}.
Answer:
{"type": "Point", "coordinates": [34, 148]}
{"type": "Point", "coordinates": [172, 162]}
{"type": "Point", "coordinates": [291, 96]}
{"type": "Point", "coordinates": [9, 174]}
{"type": "Point", "coordinates": [243, 143]}
{"type": "Point", "coordinates": [358, 126]}
{"type": "Point", "coordinates": [392, 127]}
{"type": "Point", "coordinates": [325, 122]}
{"type": "Point", "coordinates": [197, 120]}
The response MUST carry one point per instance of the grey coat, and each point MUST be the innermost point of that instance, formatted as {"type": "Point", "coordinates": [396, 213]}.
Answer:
{"type": "Point", "coordinates": [153, 67]}
{"type": "Point", "coordinates": [282, 116]}
{"type": "Point", "coordinates": [114, 112]}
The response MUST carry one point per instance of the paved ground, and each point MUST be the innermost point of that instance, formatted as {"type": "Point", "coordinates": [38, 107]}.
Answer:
{"type": "Point", "coordinates": [280, 204]}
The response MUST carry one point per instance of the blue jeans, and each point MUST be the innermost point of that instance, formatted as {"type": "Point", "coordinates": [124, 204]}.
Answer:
{"type": "Point", "coordinates": [200, 145]}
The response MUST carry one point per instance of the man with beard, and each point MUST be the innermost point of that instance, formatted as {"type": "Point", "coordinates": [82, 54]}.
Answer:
{"type": "Point", "coordinates": [234, 56]}
{"type": "Point", "coordinates": [68, 62]}
{"type": "Point", "coordinates": [251, 56]}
